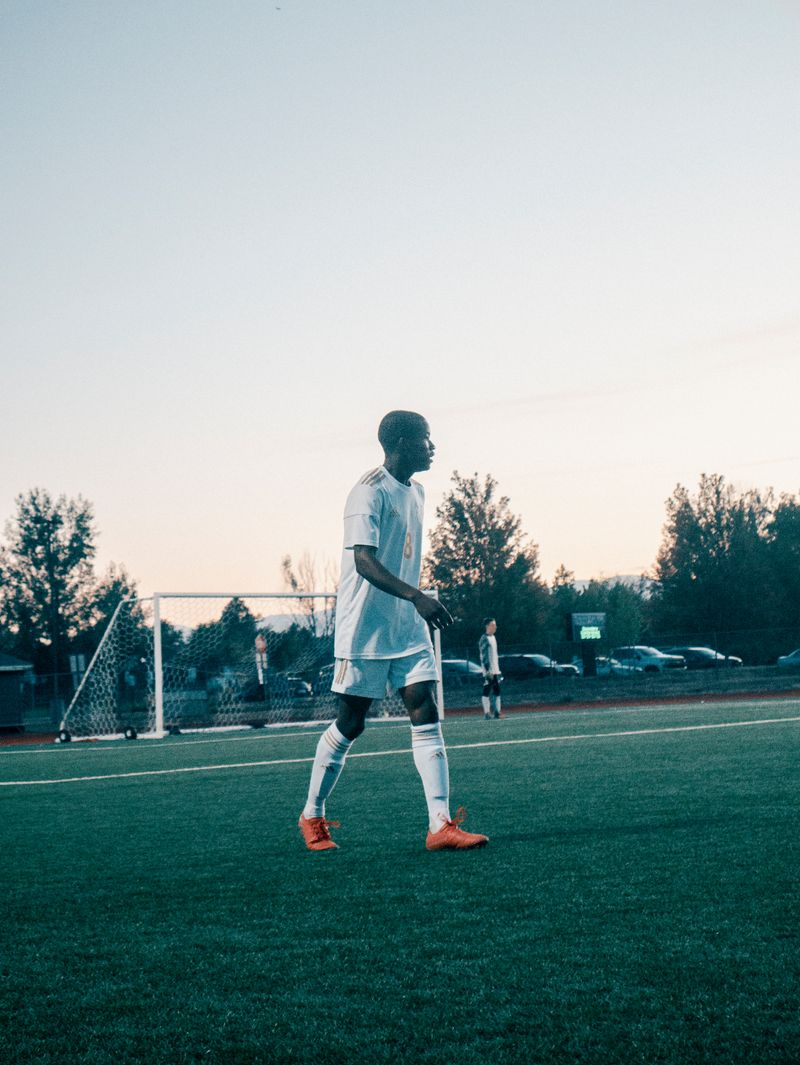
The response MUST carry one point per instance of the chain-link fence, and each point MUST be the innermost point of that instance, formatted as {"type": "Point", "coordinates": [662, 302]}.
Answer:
{"type": "Point", "coordinates": [44, 698]}
{"type": "Point", "coordinates": [555, 671]}
{"type": "Point", "coordinates": [755, 647]}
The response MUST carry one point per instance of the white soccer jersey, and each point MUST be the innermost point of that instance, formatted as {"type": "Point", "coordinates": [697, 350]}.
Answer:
{"type": "Point", "coordinates": [487, 647]}
{"type": "Point", "coordinates": [383, 513]}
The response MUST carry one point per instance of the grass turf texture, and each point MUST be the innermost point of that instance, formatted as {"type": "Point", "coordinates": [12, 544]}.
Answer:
{"type": "Point", "coordinates": [637, 901]}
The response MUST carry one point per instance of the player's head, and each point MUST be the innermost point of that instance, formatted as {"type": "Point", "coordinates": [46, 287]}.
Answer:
{"type": "Point", "coordinates": [490, 626]}
{"type": "Point", "coordinates": [406, 435]}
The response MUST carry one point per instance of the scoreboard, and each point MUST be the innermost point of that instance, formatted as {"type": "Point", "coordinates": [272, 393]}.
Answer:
{"type": "Point", "coordinates": [588, 627]}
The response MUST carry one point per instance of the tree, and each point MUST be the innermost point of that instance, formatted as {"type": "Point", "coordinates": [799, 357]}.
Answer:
{"type": "Point", "coordinates": [228, 642]}
{"type": "Point", "coordinates": [623, 605]}
{"type": "Point", "coordinates": [102, 601]}
{"type": "Point", "coordinates": [317, 616]}
{"type": "Point", "coordinates": [713, 567]}
{"type": "Point", "coordinates": [564, 598]}
{"type": "Point", "coordinates": [784, 561]}
{"type": "Point", "coordinates": [480, 560]}
{"type": "Point", "coordinates": [46, 574]}
{"type": "Point", "coordinates": [299, 650]}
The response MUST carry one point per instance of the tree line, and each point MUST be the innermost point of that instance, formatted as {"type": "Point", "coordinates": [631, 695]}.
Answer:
{"type": "Point", "coordinates": [52, 602]}
{"type": "Point", "coordinates": [729, 561]}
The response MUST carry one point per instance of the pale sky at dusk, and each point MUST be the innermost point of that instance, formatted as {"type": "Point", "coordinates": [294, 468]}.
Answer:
{"type": "Point", "coordinates": [235, 234]}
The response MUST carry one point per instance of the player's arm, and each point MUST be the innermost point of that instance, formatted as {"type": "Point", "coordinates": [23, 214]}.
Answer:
{"type": "Point", "coordinates": [368, 567]}
{"type": "Point", "coordinates": [483, 652]}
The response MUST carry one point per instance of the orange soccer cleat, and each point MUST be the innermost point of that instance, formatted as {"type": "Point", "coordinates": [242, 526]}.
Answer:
{"type": "Point", "coordinates": [316, 833]}
{"type": "Point", "coordinates": [452, 838]}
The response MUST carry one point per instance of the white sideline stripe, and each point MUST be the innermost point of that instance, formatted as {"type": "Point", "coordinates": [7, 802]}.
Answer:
{"type": "Point", "coordinates": [100, 747]}
{"type": "Point", "coordinates": [405, 750]}
{"type": "Point", "coordinates": [309, 727]}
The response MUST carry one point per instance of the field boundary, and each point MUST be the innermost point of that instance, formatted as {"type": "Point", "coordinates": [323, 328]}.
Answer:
{"type": "Point", "coordinates": [521, 704]}
{"type": "Point", "coordinates": [569, 703]}
{"type": "Point", "coordinates": [530, 740]}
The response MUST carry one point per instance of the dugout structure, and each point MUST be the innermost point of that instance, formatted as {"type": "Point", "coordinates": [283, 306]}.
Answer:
{"type": "Point", "coordinates": [181, 662]}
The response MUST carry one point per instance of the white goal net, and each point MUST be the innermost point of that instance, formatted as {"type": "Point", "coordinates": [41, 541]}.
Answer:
{"type": "Point", "coordinates": [179, 662]}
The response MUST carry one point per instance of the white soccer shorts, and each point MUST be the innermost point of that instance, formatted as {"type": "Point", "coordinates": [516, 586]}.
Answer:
{"type": "Point", "coordinates": [373, 678]}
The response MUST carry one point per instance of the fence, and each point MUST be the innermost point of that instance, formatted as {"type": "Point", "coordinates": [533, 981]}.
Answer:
{"type": "Point", "coordinates": [44, 697]}
{"type": "Point", "coordinates": [554, 687]}
{"type": "Point", "coordinates": [756, 647]}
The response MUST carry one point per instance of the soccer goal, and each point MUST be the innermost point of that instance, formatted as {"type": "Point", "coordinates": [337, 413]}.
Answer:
{"type": "Point", "coordinates": [182, 662]}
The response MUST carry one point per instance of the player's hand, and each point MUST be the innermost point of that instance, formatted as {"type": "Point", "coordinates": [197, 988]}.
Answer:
{"type": "Point", "coordinates": [431, 610]}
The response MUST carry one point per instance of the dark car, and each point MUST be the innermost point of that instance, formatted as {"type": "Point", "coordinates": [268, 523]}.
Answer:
{"type": "Point", "coordinates": [460, 671]}
{"type": "Point", "coordinates": [323, 680]}
{"type": "Point", "coordinates": [516, 667]}
{"type": "Point", "coordinates": [703, 657]}
{"type": "Point", "coordinates": [298, 688]}
{"type": "Point", "coordinates": [278, 686]}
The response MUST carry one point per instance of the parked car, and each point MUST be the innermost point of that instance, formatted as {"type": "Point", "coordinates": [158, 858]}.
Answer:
{"type": "Point", "coordinates": [703, 657]}
{"type": "Point", "coordinates": [517, 667]}
{"type": "Point", "coordinates": [648, 659]}
{"type": "Point", "coordinates": [790, 660]}
{"type": "Point", "coordinates": [298, 688]}
{"type": "Point", "coordinates": [279, 686]}
{"type": "Point", "coordinates": [608, 667]}
{"type": "Point", "coordinates": [460, 671]}
{"type": "Point", "coordinates": [323, 680]}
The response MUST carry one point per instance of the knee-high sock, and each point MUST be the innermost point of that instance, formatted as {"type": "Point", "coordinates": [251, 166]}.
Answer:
{"type": "Point", "coordinates": [430, 758]}
{"type": "Point", "coordinates": [497, 704]}
{"type": "Point", "coordinates": [487, 708]}
{"type": "Point", "coordinates": [328, 762]}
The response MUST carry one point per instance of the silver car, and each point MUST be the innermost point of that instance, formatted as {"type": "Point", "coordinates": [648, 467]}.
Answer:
{"type": "Point", "coordinates": [648, 659]}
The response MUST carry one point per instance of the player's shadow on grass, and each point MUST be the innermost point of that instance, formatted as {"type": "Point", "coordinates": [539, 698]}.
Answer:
{"type": "Point", "coordinates": [597, 832]}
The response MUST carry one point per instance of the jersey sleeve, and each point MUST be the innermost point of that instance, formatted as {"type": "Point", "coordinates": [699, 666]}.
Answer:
{"type": "Point", "coordinates": [362, 517]}
{"type": "Point", "coordinates": [483, 652]}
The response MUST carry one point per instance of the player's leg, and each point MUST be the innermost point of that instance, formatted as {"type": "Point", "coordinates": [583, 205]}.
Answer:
{"type": "Point", "coordinates": [351, 715]}
{"type": "Point", "coordinates": [430, 755]}
{"type": "Point", "coordinates": [427, 744]}
{"type": "Point", "coordinates": [329, 759]}
{"type": "Point", "coordinates": [485, 696]}
{"type": "Point", "coordinates": [335, 742]}
{"type": "Point", "coordinates": [497, 706]}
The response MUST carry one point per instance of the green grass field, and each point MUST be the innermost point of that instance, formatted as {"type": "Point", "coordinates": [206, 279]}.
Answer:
{"type": "Point", "coordinates": [637, 902]}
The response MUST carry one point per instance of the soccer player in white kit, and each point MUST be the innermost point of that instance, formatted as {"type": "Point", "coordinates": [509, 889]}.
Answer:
{"type": "Point", "coordinates": [487, 650]}
{"type": "Point", "coordinates": [382, 635]}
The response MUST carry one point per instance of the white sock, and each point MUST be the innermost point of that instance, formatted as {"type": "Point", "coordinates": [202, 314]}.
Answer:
{"type": "Point", "coordinates": [497, 705]}
{"type": "Point", "coordinates": [485, 705]}
{"type": "Point", "coordinates": [328, 763]}
{"type": "Point", "coordinates": [430, 758]}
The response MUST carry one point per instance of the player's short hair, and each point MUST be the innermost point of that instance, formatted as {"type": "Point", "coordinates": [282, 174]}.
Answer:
{"type": "Point", "coordinates": [488, 621]}
{"type": "Point", "coordinates": [396, 424]}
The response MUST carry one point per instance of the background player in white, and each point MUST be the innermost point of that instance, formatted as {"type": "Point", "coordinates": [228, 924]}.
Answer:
{"type": "Point", "coordinates": [382, 634]}
{"type": "Point", "coordinates": [487, 649]}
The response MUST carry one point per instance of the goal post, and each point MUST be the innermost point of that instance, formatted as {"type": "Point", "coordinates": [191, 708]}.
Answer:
{"type": "Point", "coordinates": [190, 661]}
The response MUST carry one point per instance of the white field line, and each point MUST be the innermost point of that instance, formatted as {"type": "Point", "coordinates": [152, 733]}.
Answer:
{"type": "Point", "coordinates": [404, 750]}
{"type": "Point", "coordinates": [101, 747]}
{"type": "Point", "coordinates": [308, 728]}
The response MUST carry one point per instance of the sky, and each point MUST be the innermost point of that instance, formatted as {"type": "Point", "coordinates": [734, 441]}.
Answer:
{"type": "Point", "coordinates": [236, 233]}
